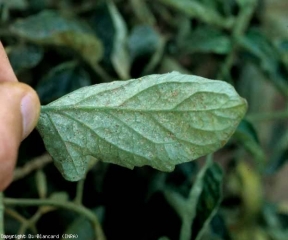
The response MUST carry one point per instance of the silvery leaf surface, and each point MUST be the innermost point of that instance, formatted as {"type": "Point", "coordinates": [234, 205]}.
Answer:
{"type": "Point", "coordinates": [157, 120]}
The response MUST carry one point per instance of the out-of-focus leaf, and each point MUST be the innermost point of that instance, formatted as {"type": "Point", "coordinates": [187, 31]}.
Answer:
{"type": "Point", "coordinates": [251, 90]}
{"type": "Point", "coordinates": [280, 156]}
{"type": "Point", "coordinates": [146, 47]}
{"type": "Point", "coordinates": [49, 27]}
{"type": "Point", "coordinates": [16, 4]}
{"type": "Point", "coordinates": [227, 7]}
{"type": "Point", "coordinates": [202, 203]}
{"type": "Point", "coordinates": [82, 226]}
{"type": "Point", "coordinates": [250, 232]}
{"type": "Point", "coordinates": [184, 31]}
{"type": "Point", "coordinates": [266, 57]}
{"type": "Point", "coordinates": [199, 11]}
{"type": "Point", "coordinates": [219, 227]}
{"type": "Point", "coordinates": [206, 39]}
{"type": "Point", "coordinates": [61, 80]}
{"type": "Point", "coordinates": [143, 12]}
{"type": "Point", "coordinates": [181, 178]}
{"type": "Point", "coordinates": [259, 45]}
{"type": "Point", "coordinates": [143, 41]}
{"type": "Point", "coordinates": [25, 56]}
{"type": "Point", "coordinates": [169, 64]}
{"type": "Point", "coordinates": [274, 226]}
{"type": "Point", "coordinates": [250, 190]}
{"type": "Point", "coordinates": [156, 58]}
{"type": "Point", "coordinates": [247, 136]}
{"type": "Point", "coordinates": [275, 19]}
{"type": "Point", "coordinates": [278, 161]}
{"type": "Point", "coordinates": [245, 3]}
{"type": "Point", "coordinates": [208, 200]}
{"type": "Point", "coordinates": [210, 4]}
{"type": "Point", "coordinates": [245, 182]}
{"type": "Point", "coordinates": [283, 49]}
{"type": "Point", "coordinates": [103, 26]}
{"type": "Point", "coordinates": [120, 56]}
{"type": "Point", "coordinates": [248, 129]}
{"type": "Point", "coordinates": [39, 4]}
{"type": "Point", "coordinates": [157, 120]}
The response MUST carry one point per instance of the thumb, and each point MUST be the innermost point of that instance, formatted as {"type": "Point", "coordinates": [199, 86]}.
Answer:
{"type": "Point", "coordinates": [19, 112]}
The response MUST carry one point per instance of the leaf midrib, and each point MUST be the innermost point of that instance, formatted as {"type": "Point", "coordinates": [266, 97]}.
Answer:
{"type": "Point", "coordinates": [117, 108]}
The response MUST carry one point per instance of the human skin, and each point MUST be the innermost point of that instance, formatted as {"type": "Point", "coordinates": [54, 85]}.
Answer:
{"type": "Point", "coordinates": [19, 113]}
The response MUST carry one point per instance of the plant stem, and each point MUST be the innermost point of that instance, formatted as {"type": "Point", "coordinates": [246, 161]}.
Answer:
{"type": "Point", "coordinates": [22, 220]}
{"type": "Point", "coordinates": [31, 223]}
{"type": "Point", "coordinates": [34, 164]}
{"type": "Point", "coordinates": [15, 215]}
{"type": "Point", "coordinates": [79, 192]}
{"type": "Point", "coordinates": [1, 213]}
{"type": "Point", "coordinates": [66, 205]}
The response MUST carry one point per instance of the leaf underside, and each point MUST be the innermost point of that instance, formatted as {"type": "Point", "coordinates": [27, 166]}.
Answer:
{"type": "Point", "coordinates": [156, 120]}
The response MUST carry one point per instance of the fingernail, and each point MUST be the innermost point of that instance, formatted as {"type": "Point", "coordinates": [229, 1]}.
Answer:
{"type": "Point", "coordinates": [29, 113]}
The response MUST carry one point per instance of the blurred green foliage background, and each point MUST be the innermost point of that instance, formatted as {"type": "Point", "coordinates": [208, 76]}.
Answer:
{"type": "Point", "coordinates": [57, 46]}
